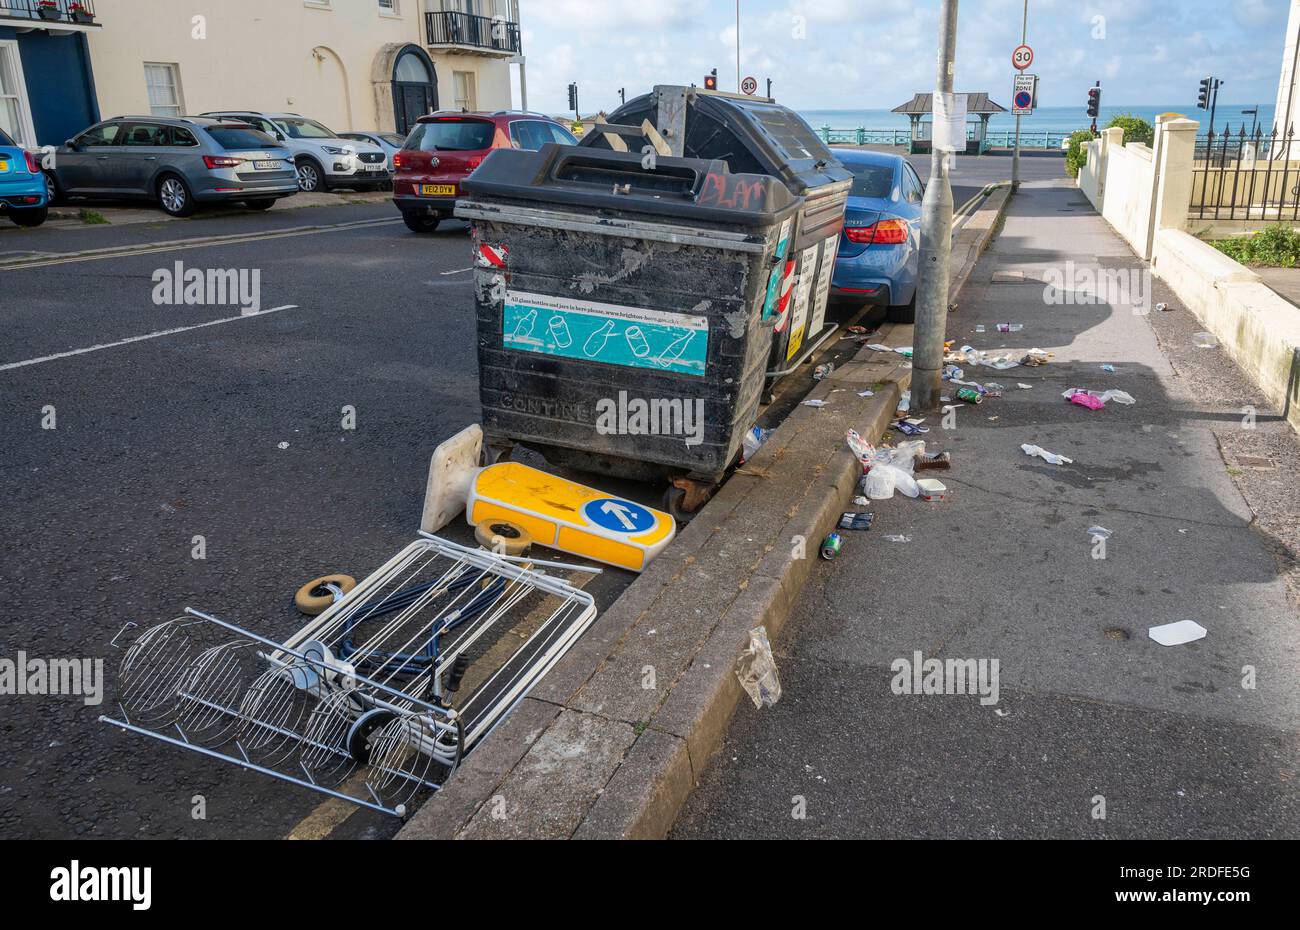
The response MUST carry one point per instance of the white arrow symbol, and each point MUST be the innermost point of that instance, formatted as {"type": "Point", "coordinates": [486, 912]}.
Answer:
{"type": "Point", "coordinates": [620, 511]}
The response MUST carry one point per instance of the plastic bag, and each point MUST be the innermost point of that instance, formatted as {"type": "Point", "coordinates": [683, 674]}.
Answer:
{"type": "Point", "coordinates": [756, 670]}
{"type": "Point", "coordinates": [880, 483]}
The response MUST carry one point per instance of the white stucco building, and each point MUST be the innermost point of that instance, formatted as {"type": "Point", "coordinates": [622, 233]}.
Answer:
{"type": "Point", "coordinates": [351, 64]}
{"type": "Point", "coordinates": [1288, 90]}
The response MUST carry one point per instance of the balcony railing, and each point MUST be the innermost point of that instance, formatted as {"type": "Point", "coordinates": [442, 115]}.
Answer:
{"type": "Point", "coordinates": [60, 11]}
{"type": "Point", "coordinates": [468, 30]}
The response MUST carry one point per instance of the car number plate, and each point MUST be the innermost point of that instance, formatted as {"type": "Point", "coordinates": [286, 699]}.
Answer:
{"type": "Point", "coordinates": [374, 167]}
{"type": "Point", "coordinates": [438, 190]}
{"type": "Point", "coordinates": [268, 165]}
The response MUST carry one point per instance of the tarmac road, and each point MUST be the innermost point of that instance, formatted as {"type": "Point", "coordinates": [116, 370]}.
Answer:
{"type": "Point", "coordinates": [163, 440]}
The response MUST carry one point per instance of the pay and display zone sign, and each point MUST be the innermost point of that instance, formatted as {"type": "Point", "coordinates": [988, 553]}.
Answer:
{"type": "Point", "coordinates": [613, 335]}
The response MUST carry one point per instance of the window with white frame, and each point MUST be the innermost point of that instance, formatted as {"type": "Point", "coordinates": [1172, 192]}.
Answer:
{"type": "Point", "coordinates": [466, 90]}
{"type": "Point", "coordinates": [15, 113]}
{"type": "Point", "coordinates": [163, 81]}
{"type": "Point", "coordinates": [388, 7]}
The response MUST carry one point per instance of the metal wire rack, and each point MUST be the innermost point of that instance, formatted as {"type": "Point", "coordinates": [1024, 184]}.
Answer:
{"type": "Point", "coordinates": [362, 703]}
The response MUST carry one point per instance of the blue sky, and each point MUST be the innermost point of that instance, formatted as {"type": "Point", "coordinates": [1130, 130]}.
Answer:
{"type": "Point", "coordinates": [873, 54]}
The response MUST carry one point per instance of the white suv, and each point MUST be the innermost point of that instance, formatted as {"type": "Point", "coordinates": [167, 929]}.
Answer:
{"type": "Point", "coordinates": [323, 159]}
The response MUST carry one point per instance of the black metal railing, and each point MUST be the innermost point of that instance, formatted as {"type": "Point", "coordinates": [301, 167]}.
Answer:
{"type": "Point", "coordinates": [486, 32]}
{"type": "Point", "coordinates": [1245, 176]}
{"type": "Point", "coordinates": [56, 11]}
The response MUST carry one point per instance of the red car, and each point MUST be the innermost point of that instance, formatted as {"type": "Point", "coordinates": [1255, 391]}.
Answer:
{"type": "Point", "coordinates": [443, 149]}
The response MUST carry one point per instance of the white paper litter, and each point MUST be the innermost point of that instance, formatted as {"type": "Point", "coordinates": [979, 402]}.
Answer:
{"type": "Point", "coordinates": [1050, 457]}
{"type": "Point", "coordinates": [815, 403]}
{"type": "Point", "coordinates": [1025, 387]}
{"type": "Point", "coordinates": [1178, 634]}
{"type": "Point", "coordinates": [866, 393]}
{"type": "Point", "coordinates": [1099, 532]}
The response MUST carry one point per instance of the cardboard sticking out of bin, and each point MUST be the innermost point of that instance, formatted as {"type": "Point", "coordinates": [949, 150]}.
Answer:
{"type": "Point", "coordinates": [555, 512]}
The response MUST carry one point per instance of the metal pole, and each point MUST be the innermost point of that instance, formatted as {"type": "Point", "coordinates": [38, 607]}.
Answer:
{"type": "Point", "coordinates": [738, 78]}
{"type": "Point", "coordinates": [1214, 103]}
{"type": "Point", "coordinates": [1015, 159]}
{"type": "Point", "coordinates": [936, 242]}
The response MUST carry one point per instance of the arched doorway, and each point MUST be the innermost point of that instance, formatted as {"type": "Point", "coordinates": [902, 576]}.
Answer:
{"type": "Point", "coordinates": [415, 87]}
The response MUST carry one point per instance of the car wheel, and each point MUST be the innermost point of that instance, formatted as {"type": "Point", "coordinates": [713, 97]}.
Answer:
{"type": "Point", "coordinates": [311, 179]}
{"type": "Point", "coordinates": [260, 204]}
{"type": "Point", "coordinates": [174, 196]}
{"type": "Point", "coordinates": [420, 222]}
{"type": "Point", "coordinates": [903, 314]}
{"type": "Point", "coordinates": [30, 217]}
{"type": "Point", "coordinates": [52, 191]}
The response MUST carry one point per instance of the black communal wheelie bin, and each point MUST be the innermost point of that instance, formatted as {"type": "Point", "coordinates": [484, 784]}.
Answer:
{"type": "Point", "coordinates": [755, 135]}
{"type": "Point", "coordinates": [620, 307]}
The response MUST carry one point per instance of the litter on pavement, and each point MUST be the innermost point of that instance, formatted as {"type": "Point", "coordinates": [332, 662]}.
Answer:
{"type": "Point", "coordinates": [898, 539]}
{"type": "Point", "coordinates": [1108, 368]}
{"type": "Point", "coordinates": [932, 490]}
{"type": "Point", "coordinates": [1094, 401]}
{"type": "Point", "coordinates": [1050, 457]}
{"type": "Point", "coordinates": [756, 670]}
{"type": "Point", "coordinates": [823, 371]}
{"type": "Point", "coordinates": [816, 403]}
{"type": "Point", "coordinates": [858, 522]}
{"type": "Point", "coordinates": [1099, 532]}
{"type": "Point", "coordinates": [1178, 634]}
{"type": "Point", "coordinates": [754, 440]}
{"type": "Point", "coordinates": [1205, 341]}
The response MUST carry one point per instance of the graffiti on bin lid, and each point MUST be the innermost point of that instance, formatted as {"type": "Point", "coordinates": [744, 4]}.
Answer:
{"type": "Point", "coordinates": [620, 516]}
{"type": "Point", "coordinates": [492, 256]}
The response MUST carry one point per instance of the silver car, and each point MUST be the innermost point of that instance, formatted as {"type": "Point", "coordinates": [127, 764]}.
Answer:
{"type": "Point", "coordinates": [179, 162]}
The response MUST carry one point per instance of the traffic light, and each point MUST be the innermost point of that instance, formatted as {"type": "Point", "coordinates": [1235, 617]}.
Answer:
{"type": "Point", "coordinates": [1203, 101]}
{"type": "Point", "coordinates": [711, 80]}
{"type": "Point", "coordinates": [573, 97]}
{"type": "Point", "coordinates": [1094, 102]}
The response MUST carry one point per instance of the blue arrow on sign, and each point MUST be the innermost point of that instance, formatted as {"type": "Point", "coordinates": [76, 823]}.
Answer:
{"type": "Point", "coordinates": [619, 516]}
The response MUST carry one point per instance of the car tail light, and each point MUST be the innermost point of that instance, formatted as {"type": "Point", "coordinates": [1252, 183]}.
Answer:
{"type": "Point", "coordinates": [222, 161]}
{"type": "Point", "coordinates": [474, 162]}
{"type": "Point", "coordinates": [33, 162]}
{"type": "Point", "coordinates": [398, 160]}
{"type": "Point", "coordinates": [884, 232]}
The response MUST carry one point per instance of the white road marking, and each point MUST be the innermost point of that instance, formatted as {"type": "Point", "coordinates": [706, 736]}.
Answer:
{"type": "Point", "coordinates": [157, 335]}
{"type": "Point", "coordinates": [457, 271]}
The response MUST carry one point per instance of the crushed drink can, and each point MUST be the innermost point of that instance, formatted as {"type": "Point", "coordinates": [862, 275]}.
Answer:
{"type": "Point", "coordinates": [832, 546]}
{"type": "Point", "coordinates": [970, 396]}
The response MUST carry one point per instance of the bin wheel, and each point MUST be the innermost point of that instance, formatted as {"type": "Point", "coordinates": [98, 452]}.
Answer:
{"type": "Point", "coordinates": [504, 538]}
{"type": "Point", "coordinates": [359, 735]}
{"type": "Point", "coordinates": [492, 455]}
{"type": "Point", "coordinates": [674, 502]}
{"type": "Point", "coordinates": [314, 598]}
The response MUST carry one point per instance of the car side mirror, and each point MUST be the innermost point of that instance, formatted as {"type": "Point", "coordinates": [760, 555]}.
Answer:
{"type": "Point", "coordinates": [279, 137]}
{"type": "Point", "coordinates": [72, 144]}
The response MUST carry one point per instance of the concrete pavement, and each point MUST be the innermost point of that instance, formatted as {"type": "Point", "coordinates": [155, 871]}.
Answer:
{"type": "Point", "coordinates": [1098, 731]}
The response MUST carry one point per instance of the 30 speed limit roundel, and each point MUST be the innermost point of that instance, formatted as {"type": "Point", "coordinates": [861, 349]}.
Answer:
{"type": "Point", "coordinates": [1022, 57]}
{"type": "Point", "coordinates": [749, 85]}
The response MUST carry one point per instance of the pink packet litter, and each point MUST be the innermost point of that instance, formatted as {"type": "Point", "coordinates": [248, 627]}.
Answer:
{"type": "Point", "coordinates": [1087, 400]}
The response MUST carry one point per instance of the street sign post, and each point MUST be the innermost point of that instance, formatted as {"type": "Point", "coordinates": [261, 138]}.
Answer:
{"type": "Point", "coordinates": [1022, 58]}
{"type": "Point", "coordinates": [749, 86]}
{"type": "Point", "coordinates": [1024, 94]}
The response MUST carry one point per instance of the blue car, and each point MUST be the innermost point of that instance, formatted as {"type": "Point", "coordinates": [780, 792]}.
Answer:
{"type": "Point", "coordinates": [880, 251]}
{"type": "Point", "coordinates": [23, 196]}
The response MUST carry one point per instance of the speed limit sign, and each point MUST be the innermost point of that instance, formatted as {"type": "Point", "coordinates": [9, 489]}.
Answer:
{"type": "Point", "coordinates": [749, 86]}
{"type": "Point", "coordinates": [1022, 57]}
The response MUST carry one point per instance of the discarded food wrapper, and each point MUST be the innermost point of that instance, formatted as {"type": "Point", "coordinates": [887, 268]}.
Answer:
{"type": "Point", "coordinates": [899, 539]}
{"type": "Point", "coordinates": [981, 328]}
{"type": "Point", "coordinates": [1205, 341]}
{"type": "Point", "coordinates": [857, 521]}
{"type": "Point", "coordinates": [756, 670]}
{"type": "Point", "coordinates": [1178, 634]}
{"type": "Point", "coordinates": [1108, 368]}
{"type": "Point", "coordinates": [1050, 457]}
{"type": "Point", "coordinates": [857, 330]}
{"type": "Point", "coordinates": [1084, 399]}
{"type": "Point", "coordinates": [905, 402]}
{"type": "Point", "coordinates": [932, 490]}
{"type": "Point", "coordinates": [866, 393]}
{"type": "Point", "coordinates": [1099, 532]}
{"type": "Point", "coordinates": [908, 428]}
{"type": "Point", "coordinates": [865, 451]}
{"type": "Point", "coordinates": [816, 403]}
{"type": "Point", "coordinates": [877, 347]}
{"type": "Point", "coordinates": [860, 502]}
{"type": "Point", "coordinates": [1025, 387]}
{"type": "Point", "coordinates": [934, 461]}
{"type": "Point", "coordinates": [823, 371]}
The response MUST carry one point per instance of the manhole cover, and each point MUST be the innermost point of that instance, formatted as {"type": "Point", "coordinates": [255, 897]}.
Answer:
{"type": "Point", "coordinates": [1254, 461]}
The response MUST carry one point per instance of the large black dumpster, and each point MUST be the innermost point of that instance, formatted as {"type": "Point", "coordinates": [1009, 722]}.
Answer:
{"type": "Point", "coordinates": [754, 135]}
{"type": "Point", "coordinates": [620, 308]}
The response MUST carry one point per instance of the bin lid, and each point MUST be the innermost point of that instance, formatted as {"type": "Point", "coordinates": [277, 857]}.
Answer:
{"type": "Point", "coordinates": [752, 135]}
{"type": "Point", "coordinates": [681, 188]}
